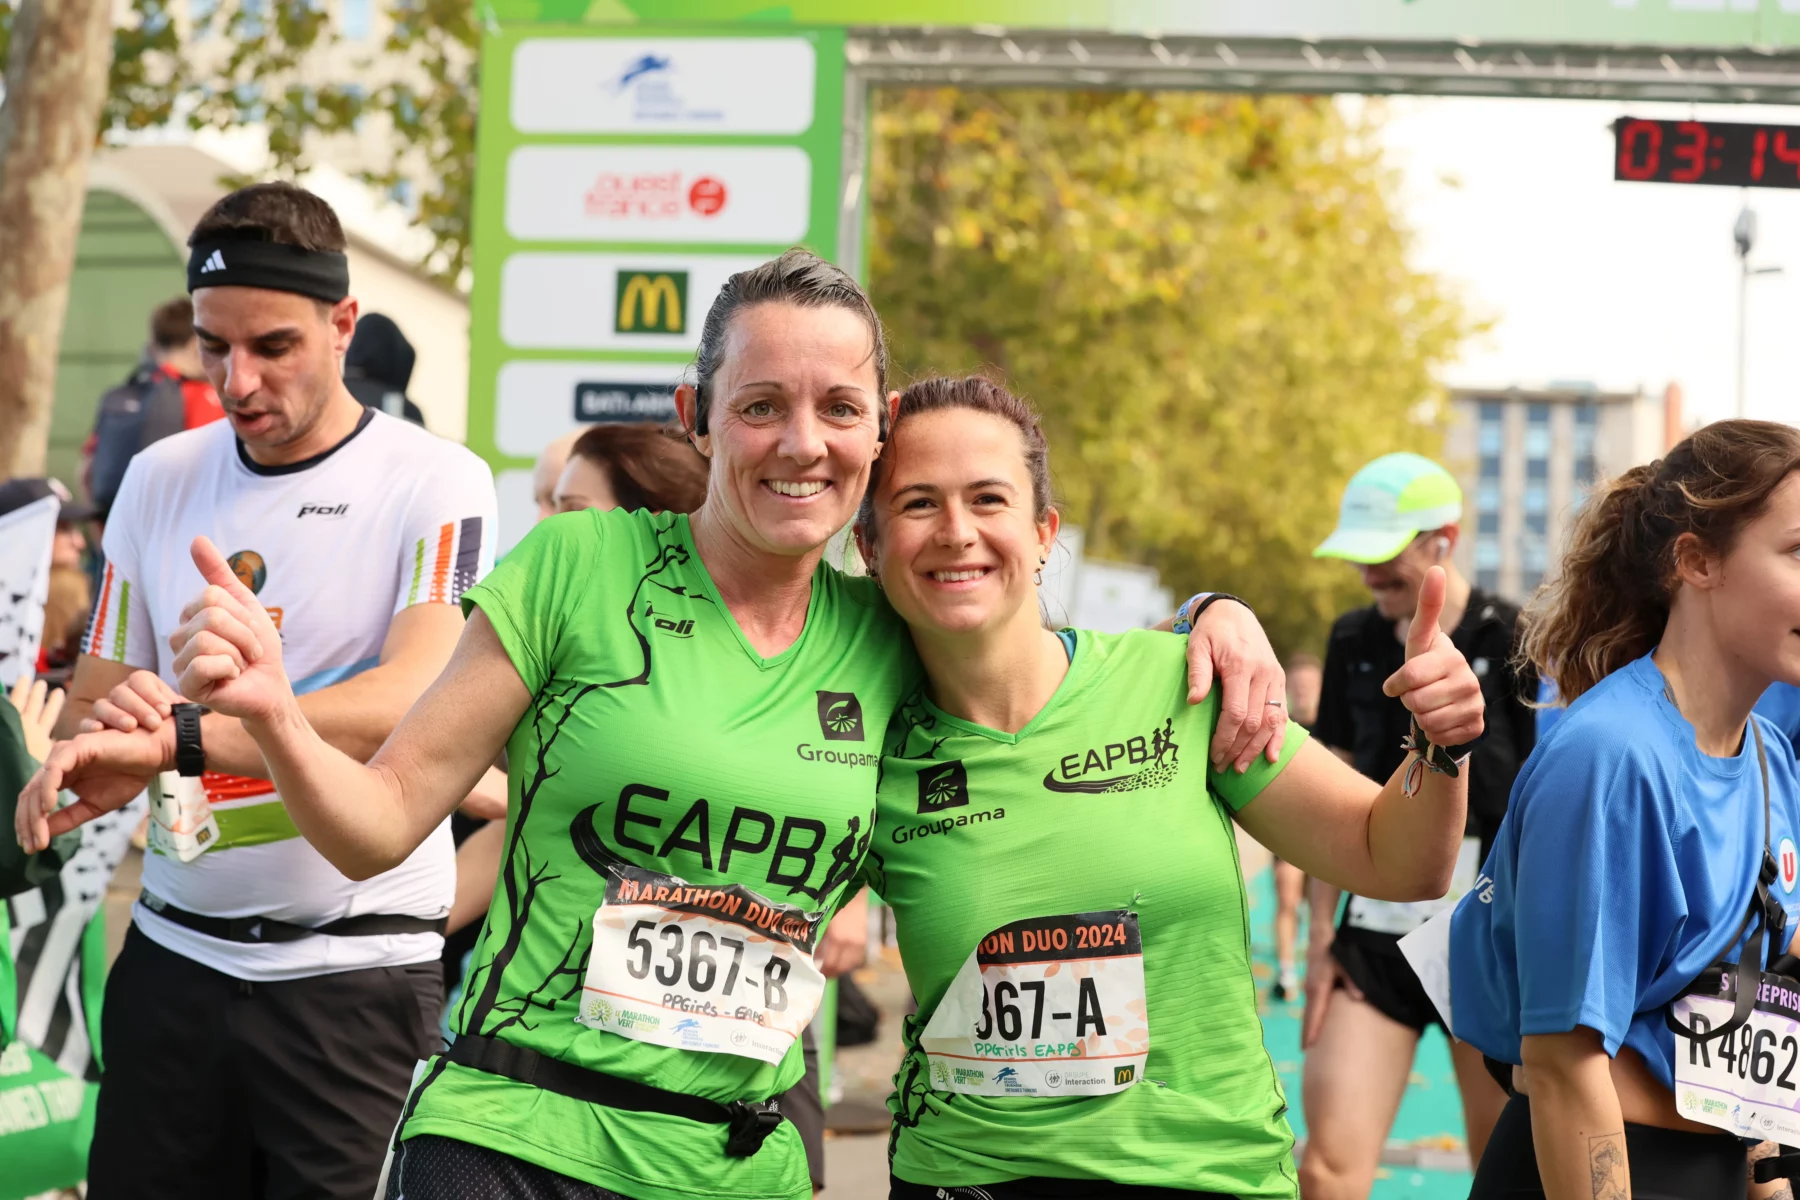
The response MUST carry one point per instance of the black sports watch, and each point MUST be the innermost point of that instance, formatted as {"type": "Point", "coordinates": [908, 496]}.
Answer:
{"type": "Point", "coordinates": [190, 755]}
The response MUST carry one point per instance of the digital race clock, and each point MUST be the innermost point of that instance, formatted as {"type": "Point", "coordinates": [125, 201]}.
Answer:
{"type": "Point", "coordinates": [1735, 155]}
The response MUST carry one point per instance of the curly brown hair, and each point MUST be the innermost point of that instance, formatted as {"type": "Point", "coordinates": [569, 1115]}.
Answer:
{"type": "Point", "coordinates": [1608, 604]}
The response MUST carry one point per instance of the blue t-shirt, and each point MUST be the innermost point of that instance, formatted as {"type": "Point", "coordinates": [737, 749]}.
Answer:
{"type": "Point", "coordinates": [1626, 862]}
{"type": "Point", "coordinates": [1551, 709]}
{"type": "Point", "coordinates": [1781, 704]}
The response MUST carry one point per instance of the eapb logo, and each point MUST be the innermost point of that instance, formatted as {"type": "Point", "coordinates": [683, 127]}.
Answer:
{"type": "Point", "coordinates": [650, 302]}
{"type": "Point", "coordinates": [840, 717]}
{"type": "Point", "coordinates": [943, 785]}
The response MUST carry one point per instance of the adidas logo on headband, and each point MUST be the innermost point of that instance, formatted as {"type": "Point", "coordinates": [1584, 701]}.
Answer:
{"type": "Point", "coordinates": [322, 274]}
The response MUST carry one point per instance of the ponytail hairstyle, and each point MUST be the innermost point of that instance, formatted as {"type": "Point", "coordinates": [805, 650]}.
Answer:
{"type": "Point", "coordinates": [1610, 602]}
{"type": "Point", "coordinates": [803, 279]}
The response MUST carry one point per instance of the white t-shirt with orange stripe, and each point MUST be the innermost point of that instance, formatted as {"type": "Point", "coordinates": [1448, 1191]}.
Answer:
{"type": "Point", "coordinates": [333, 547]}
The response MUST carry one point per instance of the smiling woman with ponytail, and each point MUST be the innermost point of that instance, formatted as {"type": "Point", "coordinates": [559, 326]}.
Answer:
{"type": "Point", "coordinates": [1632, 857]}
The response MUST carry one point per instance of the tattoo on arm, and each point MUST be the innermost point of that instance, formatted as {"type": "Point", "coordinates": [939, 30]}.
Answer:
{"type": "Point", "coordinates": [1781, 1189]}
{"type": "Point", "coordinates": [1607, 1168]}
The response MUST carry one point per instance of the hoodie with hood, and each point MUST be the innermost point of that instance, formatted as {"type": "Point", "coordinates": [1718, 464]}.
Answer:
{"type": "Point", "coordinates": [378, 366]}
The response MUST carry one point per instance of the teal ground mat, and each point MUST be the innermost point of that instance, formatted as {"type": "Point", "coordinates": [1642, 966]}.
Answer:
{"type": "Point", "coordinates": [1431, 1113]}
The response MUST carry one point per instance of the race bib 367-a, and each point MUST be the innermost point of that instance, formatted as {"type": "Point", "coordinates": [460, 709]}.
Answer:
{"type": "Point", "coordinates": [1050, 1006]}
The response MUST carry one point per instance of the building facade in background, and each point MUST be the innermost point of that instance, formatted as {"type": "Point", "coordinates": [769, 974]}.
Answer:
{"type": "Point", "coordinates": [1527, 459]}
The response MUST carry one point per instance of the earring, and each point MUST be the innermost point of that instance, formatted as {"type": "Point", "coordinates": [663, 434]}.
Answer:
{"type": "Point", "coordinates": [1040, 570]}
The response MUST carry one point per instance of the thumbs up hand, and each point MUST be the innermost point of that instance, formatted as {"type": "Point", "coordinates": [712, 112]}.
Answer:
{"type": "Point", "coordinates": [227, 651]}
{"type": "Point", "coordinates": [1436, 684]}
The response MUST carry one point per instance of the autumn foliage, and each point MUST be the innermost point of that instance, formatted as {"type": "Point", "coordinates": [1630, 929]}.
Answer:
{"type": "Point", "coordinates": [1208, 296]}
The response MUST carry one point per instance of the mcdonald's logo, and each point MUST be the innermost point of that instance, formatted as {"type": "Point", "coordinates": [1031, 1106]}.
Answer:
{"type": "Point", "coordinates": [651, 302]}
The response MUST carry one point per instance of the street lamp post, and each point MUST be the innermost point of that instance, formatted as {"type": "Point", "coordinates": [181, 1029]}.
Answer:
{"type": "Point", "coordinates": [1744, 234]}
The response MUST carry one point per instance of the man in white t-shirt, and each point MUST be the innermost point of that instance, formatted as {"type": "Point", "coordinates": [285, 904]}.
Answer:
{"type": "Point", "coordinates": [263, 1020]}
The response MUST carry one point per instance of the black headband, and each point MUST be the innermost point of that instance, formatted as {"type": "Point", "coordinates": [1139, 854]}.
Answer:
{"type": "Point", "coordinates": [321, 274]}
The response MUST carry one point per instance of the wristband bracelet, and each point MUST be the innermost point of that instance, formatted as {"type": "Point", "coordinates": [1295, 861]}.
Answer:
{"type": "Point", "coordinates": [190, 755]}
{"type": "Point", "coordinates": [1199, 602]}
{"type": "Point", "coordinates": [1439, 760]}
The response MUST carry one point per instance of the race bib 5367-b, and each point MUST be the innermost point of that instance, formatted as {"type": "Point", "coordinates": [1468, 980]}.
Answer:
{"type": "Point", "coordinates": [718, 969]}
{"type": "Point", "coordinates": [1050, 1006]}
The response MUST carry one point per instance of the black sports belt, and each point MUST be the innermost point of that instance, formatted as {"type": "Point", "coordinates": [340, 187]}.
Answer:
{"type": "Point", "coordinates": [749, 1122]}
{"type": "Point", "coordinates": [270, 930]}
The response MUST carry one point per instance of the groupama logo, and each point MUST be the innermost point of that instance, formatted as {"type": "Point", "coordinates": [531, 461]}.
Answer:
{"type": "Point", "coordinates": [943, 785]}
{"type": "Point", "coordinates": [840, 717]}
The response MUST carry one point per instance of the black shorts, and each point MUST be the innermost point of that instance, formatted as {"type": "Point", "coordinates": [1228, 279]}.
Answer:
{"type": "Point", "coordinates": [1375, 965]}
{"type": "Point", "coordinates": [1041, 1189]}
{"type": "Point", "coordinates": [429, 1167]}
{"type": "Point", "coordinates": [1666, 1164]}
{"type": "Point", "coordinates": [218, 1087]}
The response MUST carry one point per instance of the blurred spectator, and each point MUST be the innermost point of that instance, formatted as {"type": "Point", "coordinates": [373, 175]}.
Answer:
{"type": "Point", "coordinates": [52, 963]}
{"type": "Point", "coordinates": [549, 469]}
{"type": "Point", "coordinates": [379, 365]}
{"type": "Point", "coordinates": [630, 467]}
{"type": "Point", "coordinates": [166, 393]}
{"type": "Point", "coordinates": [71, 592]}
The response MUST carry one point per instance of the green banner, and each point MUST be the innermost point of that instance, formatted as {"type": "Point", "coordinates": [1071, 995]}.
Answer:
{"type": "Point", "coordinates": [625, 174]}
{"type": "Point", "coordinates": [1672, 23]}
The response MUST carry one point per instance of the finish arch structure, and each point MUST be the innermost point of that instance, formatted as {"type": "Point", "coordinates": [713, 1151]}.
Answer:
{"type": "Point", "coordinates": [632, 148]}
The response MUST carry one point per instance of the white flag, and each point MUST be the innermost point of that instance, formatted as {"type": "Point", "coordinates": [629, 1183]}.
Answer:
{"type": "Point", "coordinates": [26, 537]}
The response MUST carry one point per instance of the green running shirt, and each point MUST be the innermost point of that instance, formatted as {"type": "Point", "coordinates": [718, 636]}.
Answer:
{"type": "Point", "coordinates": [1104, 802]}
{"type": "Point", "coordinates": [658, 736]}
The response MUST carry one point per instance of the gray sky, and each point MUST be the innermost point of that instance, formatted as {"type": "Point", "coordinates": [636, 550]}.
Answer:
{"type": "Point", "coordinates": [1620, 284]}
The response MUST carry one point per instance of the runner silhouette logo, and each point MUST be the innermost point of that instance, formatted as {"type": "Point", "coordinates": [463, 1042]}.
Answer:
{"type": "Point", "coordinates": [943, 785]}
{"type": "Point", "coordinates": [840, 717]}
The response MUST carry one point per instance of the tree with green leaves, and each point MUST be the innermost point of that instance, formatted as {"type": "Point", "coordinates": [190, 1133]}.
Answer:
{"type": "Point", "coordinates": [276, 64]}
{"type": "Point", "coordinates": [1208, 297]}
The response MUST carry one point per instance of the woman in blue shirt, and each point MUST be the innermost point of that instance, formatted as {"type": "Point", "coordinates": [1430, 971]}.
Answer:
{"type": "Point", "coordinates": [1629, 860]}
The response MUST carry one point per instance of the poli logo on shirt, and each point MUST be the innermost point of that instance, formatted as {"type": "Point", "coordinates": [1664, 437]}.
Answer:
{"type": "Point", "coordinates": [1789, 861]}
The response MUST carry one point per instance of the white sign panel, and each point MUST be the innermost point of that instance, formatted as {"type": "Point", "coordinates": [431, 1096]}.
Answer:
{"type": "Point", "coordinates": [658, 193]}
{"type": "Point", "coordinates": [26, 535]}
{"type": "Point", "coordinates": [672, 85]}
{"type": "Point", "coordinates": [538, 402]}
{"type": "Point", "coordinates": [611, 301]}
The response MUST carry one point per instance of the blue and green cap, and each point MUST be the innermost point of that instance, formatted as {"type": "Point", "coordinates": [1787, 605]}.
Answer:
{"type": "Point", "coordinates": [1389, 503]}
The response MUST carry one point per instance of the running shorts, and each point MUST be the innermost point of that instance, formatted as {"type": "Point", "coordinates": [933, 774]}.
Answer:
{"type": "Point", "coordinates": [1375, 965]}
{"type": "Point", "coordinates": [219, 1087]}
{"type": "Point", "coordinates": [1042, 1189]}
{"type": "Point", "coordinates": [1666, 1164]}
{"type": "Point", "coordinates": [429, 1167]}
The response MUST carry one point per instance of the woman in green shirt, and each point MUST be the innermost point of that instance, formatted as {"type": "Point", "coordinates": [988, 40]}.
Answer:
{"type": "Point", "coordinates": [1060, 857]}
{"type": "Point", "coordinates": [691, 710]}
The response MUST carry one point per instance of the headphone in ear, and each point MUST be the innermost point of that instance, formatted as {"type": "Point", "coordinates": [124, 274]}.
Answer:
{"type": "Point", "coordinates": [1443, 546]}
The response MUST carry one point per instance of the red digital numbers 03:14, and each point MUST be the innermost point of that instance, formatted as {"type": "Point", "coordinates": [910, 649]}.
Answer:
{"type": "Point", "coordinates": [1708, 152]}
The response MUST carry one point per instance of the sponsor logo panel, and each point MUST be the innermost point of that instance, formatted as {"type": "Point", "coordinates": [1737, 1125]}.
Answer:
{"type": "Point", "coordinates": [539, 400]}
{"type": "Point", "coordinates": [663, 85]}
{"type": "Point", "coordinates": [582, 301]}
{"type": "Point", "coordinates": [691, 194]}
